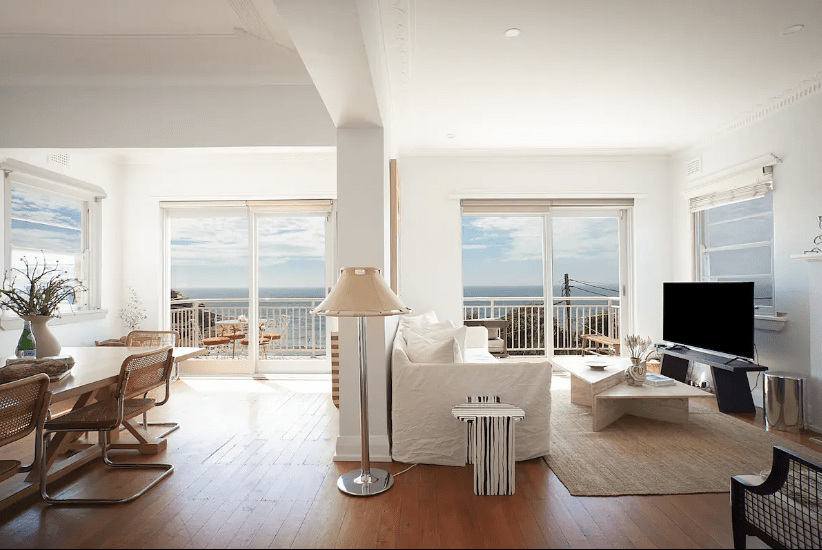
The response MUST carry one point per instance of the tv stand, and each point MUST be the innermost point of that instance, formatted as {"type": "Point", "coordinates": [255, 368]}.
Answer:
{"type": "Point", "coordinates": [733, 392]}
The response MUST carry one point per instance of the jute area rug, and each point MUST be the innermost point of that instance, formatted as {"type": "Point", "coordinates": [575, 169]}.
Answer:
{"type": "Point", "coordinates": [638, 456]}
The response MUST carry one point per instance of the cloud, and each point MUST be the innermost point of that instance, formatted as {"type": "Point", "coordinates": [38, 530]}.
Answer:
{"type": "Point", "coordinates": [39, 208]}
{"type": "Point", "coordinates": [224, 241]}
{"type": "Point", "coordinates": [585, 238]}
{"type": "Point", "coordinates": [519, 237]}
{"type": "Point", "coordinates": [473, 246]}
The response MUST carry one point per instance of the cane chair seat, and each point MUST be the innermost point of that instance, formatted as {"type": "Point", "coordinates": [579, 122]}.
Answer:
{"type": "Point", "coordinates": [23, 408]}
{"type": "Point", "coordinates": [99, 416]}
{"type": "Point", "coordinates": [216, 341]}
{"type": "Point", "coordinates": [152, 338]}
{"type": "Point", "coordinates": [139, 374]}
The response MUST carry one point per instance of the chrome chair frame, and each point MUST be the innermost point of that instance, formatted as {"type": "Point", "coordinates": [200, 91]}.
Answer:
{"type": "Point", "coordinates": [39, 415]}
{"type": "Point", "coordinates": [103, 439]}
{"type": "Point", "coordinates": [134, 339]}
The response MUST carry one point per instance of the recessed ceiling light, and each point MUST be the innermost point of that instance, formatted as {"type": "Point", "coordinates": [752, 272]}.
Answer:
{"type": "Point", "coordinates": [512, 33]}
{"type": "Point", "coordinates": [450, 136]}
{"type": "Point", "coordinates": [792, 29]}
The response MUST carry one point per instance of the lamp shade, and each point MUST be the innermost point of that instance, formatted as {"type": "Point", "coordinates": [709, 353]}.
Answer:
{"type": "Point", "coordinates": [361, 292]}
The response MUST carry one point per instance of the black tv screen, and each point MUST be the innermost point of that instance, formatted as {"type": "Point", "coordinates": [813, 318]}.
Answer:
{"type": "Point", "coordinates": [715, 317]}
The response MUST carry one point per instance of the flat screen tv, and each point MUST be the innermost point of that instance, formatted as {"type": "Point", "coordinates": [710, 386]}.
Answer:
{"type": "Point", "coordinates": [717, 317]}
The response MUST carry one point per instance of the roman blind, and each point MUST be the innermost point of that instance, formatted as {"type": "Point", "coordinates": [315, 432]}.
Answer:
{"type": "Point", "coordinates": [751, 180]}
{"type": "Point", "coordinates": [303, 205]}
{"type": "Point", "coordinates": [753, 184]}
{"type": "Point", "coordinates": [537, 206]}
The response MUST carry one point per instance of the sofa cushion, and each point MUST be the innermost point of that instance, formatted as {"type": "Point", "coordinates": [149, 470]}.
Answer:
{"type": "Point", "coordinates": [437, 333]}
{"type": "Point", "coordinates": [421, 350]}
{"type": "Point", "coordinates": [427, 318]}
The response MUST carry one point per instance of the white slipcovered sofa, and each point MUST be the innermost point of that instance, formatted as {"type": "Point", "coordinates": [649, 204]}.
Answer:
{"type": "Point", "coordinates": [423, 394]}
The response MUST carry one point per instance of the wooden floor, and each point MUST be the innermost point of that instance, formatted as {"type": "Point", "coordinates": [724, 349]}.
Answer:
{"type": "Point", "coordinates": [254, 469]}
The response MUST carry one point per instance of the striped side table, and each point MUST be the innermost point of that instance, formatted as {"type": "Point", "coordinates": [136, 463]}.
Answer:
{"type": "Point", "coordinates": [491, 444]}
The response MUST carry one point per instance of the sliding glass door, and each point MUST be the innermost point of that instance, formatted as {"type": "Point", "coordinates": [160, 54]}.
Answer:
{"type": "Point", "coordinates": [555, 276]}
{"type": "Point", "coordinates": [243, 281]}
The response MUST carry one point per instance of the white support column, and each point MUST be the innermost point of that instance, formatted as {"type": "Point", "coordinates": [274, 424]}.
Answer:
{"type": "Point", "coordinates": [361, 242]}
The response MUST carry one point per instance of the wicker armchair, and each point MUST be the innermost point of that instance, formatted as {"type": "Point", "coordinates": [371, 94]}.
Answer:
{"type": "Point", "coordinates": [782, 510]}
{"type": "Point", "coordinates": [23, 408]}
{"type": "Point", "coordinates": [139, 374]}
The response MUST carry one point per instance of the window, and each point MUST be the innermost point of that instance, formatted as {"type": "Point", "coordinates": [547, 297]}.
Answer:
{"type": "Point", "coordinates": [53, 217]}
{"type": "Point", "coordinates": [734, 242]}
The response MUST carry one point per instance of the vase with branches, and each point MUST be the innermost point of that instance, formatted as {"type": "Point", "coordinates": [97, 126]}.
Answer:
{"type": "Point", "coordinates": [639, 348]}
{"type": "Point", "coordinates": [134, 312]}
{"type": "Point", "coordinates": [35, 294]}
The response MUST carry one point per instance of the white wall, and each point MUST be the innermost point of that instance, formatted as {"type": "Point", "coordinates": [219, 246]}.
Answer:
{"type": "Point", "coordinates": [102, 172]}
{"type": "Point", "coordinates": [431, 233]}
{"type": "Point", "coordinates": [164, 116]}
{"type": "Point", "coordinates": [205, 175]}
{"type": "Point", "coordinates": [794, 134]}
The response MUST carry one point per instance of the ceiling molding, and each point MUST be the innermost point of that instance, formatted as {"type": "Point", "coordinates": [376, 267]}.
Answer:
{"type": "Point", "coordinates": [251, 20]}
{"type": "Point", "coordinates": [803, 90]}
{"type": "Point", "coordinates": [129, 36]}
{"type": "Point", "coordinates": [575, 154]}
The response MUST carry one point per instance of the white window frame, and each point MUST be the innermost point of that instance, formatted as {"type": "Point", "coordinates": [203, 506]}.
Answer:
{"type": "Point", "coordinates": [702, 261]}
{"type": "Point", "coordinates": [746, 181]}
{"type": "Point", "coordinates": [547, 209]}
{"type": "Point", "coordinates": [26, 176]}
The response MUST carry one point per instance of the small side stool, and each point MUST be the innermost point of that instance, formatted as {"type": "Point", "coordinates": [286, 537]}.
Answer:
{"type": "Point", "coordinates": [491, 443]}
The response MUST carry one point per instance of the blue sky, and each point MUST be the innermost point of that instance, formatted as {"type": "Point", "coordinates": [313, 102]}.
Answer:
{"type": "Point", "coordinates": [213, 252]}
{"type": "Point", "coordinates": [507, 251]}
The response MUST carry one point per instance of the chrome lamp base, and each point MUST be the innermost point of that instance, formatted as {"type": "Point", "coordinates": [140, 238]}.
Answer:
{"type": "Point", "coordinates": [358, 484]}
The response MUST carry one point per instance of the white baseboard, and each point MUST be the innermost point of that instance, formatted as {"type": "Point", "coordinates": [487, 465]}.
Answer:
{"type": "Point", "coordinates": [349, 449]}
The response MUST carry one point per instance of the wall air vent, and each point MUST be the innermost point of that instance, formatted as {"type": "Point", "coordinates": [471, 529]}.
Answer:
{"type": "Point", "coordinates": [693, 167]}
{"type": "Point", "coordinates": [60, 158]}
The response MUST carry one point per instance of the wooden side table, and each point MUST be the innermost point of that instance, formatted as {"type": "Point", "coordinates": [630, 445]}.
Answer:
{"type": "Point", "coordinates": [491, 445]}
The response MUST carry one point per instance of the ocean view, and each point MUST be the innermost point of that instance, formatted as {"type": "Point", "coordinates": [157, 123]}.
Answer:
{"type": "Point", "coordinates": [241, 294]}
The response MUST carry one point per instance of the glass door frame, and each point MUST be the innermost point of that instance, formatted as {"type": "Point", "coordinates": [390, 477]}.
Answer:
{"type": "Point", "coordinates": [253, 215]}
{"type": "Point", "coordinates": [624, 214]}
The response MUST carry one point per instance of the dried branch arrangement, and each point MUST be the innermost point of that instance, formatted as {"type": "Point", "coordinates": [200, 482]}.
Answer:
{"type": "Point", "coordinates": [638, 346]}
{"type": "Point", "coordinates": [42, 291]}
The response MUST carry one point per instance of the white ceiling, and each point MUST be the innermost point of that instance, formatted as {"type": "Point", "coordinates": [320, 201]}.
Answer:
{"type": "Point", "coordinates": [127, 42]}
{"type": "Point", "coordinates": [584, 74]}
{"type": "Point", "coordinates": [593, 73]}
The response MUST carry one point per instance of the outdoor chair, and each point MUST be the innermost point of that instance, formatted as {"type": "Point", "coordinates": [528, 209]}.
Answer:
{"type": "Point", "coordinates": [264, 339]}
{"type": "Point", "coordinates": [155, 338]}
{"type": "Point", "coordinates": [23, 408]}
{"type": "Point", "coordinates": [784, 509]}
{"type": "Point", "coordinates": [139, 374]}
{"type": "Point", "coordinates": [276, 332]}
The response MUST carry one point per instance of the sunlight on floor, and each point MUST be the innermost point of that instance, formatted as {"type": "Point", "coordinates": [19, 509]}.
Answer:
{"type": "Point", "coordinates": [257, 386]}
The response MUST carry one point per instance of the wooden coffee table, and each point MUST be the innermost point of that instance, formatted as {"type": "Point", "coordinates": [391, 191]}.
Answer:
{"type": "Point", "coordinates": [606, 392]}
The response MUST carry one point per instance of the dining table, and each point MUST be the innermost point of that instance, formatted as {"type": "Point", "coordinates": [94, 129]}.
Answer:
{"type": "Point", "coordinates": [93, 377]}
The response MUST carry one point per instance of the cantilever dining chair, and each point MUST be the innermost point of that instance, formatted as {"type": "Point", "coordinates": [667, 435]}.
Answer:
{"type": "Point", "coordinates": [23, 408]}
{"type": "Point", "coordinates": [154, 338]}
{"type": "Point", "coordinates": [139, 374]}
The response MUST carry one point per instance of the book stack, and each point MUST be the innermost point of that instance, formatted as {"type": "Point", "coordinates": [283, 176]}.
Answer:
{"type": "Point", "coordinates": [653, 379]}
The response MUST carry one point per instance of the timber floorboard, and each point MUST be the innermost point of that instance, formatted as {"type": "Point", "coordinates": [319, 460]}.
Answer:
{"type": "Point", "coordinates": [253, 469]}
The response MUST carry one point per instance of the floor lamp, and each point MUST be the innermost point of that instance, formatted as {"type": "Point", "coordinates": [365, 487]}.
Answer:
{"type": "Point", "coordinates": [362, 292]}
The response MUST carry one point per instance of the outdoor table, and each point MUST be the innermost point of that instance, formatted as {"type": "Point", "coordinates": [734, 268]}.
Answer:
{"type": "Point", "coordinates": [94, 376]}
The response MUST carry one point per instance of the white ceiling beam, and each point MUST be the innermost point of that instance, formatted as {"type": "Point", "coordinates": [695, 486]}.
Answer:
{"type": "Point", "coordinates": [329, 38]}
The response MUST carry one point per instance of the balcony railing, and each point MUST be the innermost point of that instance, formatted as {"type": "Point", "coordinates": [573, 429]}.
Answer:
{"type": "Point", "coordinates": [301, 333]}
{"type": "Point", "coordinates": [573, 319]}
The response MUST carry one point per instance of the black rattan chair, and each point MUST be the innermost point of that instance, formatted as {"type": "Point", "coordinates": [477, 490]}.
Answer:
{"type": "Point", "coordinates": [782, 510]}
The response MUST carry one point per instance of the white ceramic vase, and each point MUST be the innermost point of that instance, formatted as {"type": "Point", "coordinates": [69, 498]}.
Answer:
{"type": "Point", "coordinates": [47, 344]}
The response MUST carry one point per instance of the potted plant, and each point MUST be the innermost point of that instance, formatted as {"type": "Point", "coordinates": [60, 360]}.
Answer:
{"type": "Point", "coordinates": [639, 348]}
{"type": "Point", "coordinates": [37, 299]}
